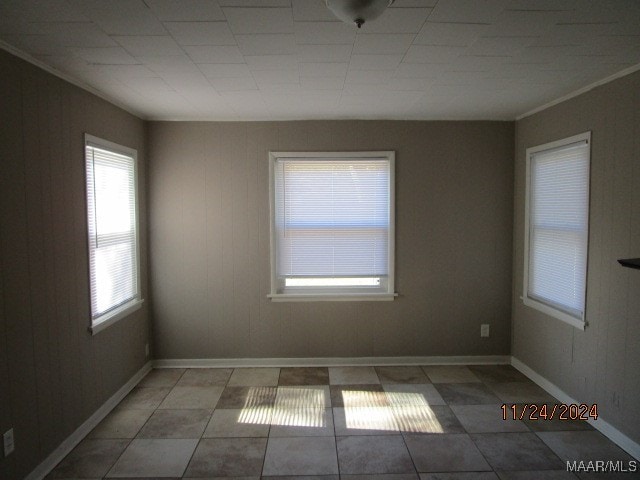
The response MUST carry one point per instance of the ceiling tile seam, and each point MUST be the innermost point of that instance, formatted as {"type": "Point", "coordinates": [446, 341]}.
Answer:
{"type": "Point", "coordinates": [251, 72]}
{"type": "Point", "coordinates": [393, 76]}
{"type": "Point", "coordinates": [183, 49]}
{"type": "Point", "coordinates": [426, 20]}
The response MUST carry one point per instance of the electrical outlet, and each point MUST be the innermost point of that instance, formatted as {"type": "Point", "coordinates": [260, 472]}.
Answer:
{"type": "Point", "coordinates": [7, 439]}
{"type": "Point", "coordinates": [484, 330]}
{"type": "Point", "coordinates": [146, 350]}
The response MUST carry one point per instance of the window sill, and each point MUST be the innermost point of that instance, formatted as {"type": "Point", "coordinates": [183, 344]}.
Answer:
{"type": "Point", "coordinates": [118, 314]}
{"type": "Point", "coordinates": [320, 297]}
{"type": "Point", "coordinates": [555, 313]}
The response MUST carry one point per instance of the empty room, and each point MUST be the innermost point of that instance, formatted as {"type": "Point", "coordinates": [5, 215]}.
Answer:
{"type": "Point", "coordinates": [320, 239]}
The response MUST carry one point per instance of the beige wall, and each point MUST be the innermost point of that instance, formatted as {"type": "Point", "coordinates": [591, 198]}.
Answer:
{"type": "Point", "coordinates": [209, 242]}
{"type": "Point", "coordinates": [601, 364]}
{"type": "Point", "coordinates": [53, 373]}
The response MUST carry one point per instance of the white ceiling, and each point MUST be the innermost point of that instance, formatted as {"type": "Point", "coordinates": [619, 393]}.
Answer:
{"type": "Point", "coordinates": [292, 59]}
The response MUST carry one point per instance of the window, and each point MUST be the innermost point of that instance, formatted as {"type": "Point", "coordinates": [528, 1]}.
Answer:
{"type": "Point", "coordinates": [332, 226]}
{"type": "Point", "coordinates": [557, 228]}
{"type": "Point", "coordinates": [113, 231]}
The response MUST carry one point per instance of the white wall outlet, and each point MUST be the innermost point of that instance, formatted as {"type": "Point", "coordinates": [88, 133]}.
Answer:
{"type": "Point", "coordinates": [146, 349]}
{"type": "Point", "coordinates": [7, 439]}
{"type": "Point", "coordinates": [484, 330]}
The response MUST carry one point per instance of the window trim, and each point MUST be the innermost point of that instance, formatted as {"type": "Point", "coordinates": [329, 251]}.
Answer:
{"type": "Point", "coordinates": [547, 307]}
{"type": "Point", "coordinates": [112, 316]}
{"type": "Point", "coordinates": [390, 294]}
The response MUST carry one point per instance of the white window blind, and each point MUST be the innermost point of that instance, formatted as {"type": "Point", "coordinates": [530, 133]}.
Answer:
{"type": "Point", "coordinates": [112, 225]}
{"type": "Point", "coordinates": [332, 224]}
{"type": "Point", "coordinates": [559, 226]}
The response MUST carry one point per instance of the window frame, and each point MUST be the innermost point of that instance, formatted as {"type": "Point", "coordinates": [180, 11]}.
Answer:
{"type": "Point", "coordinates": [548, 307]}
{"type": "Point", "coordinates": [333, 294]}
{"type": "Point", "coordinates": [112, 316]}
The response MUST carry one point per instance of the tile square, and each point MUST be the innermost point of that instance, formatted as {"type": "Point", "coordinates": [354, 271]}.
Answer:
{"type": "Point", "coordinates": [351, 421]}
{"type": "Point", "coordinates": [301, 456]}
{"type": "Point", "coordinates": [487, 419]}
{"type": "Point", "coordinates": [302, 422]}
{"type": "Point", "coordinates": [554, 424]}
{"type": "Point", "coordinates": [323, 33]}
{"type": "Point", "coordinates": [425, 419]}
{"type": "Point", "coordinates": [176, 424]}
{"type": "Point", "coordinates": [401, 417]}
{"type": "Point", "coordinates": [121, 423]}
{"type": "Point", "coordinates": [358, 396]}
{"type": "Point", "coordinates": [373, 454]}
{"type": "Point", "coordinates": [310, 10]}
{"type": "Point", "coordinates": [450, 374]}
{"type": "Point", "coordinates": [192, 397]}
{"type": "Point", "coordinates": [352, 375]}
{"type": "Point", "coordinates": [466, 394]}
{"type": "Point", "coordinates": [154, 458]}
{"type": "Point", "coordinates": [400, 20]}
{"type": "Point", "coordinates": [373, 43]}
{"type": "Point", "coordinates": [401, 375]}
{"type": "Point", "coordinates": [92, 458]}
{"type": "Point", "coordinates": [161, 377]}
{"type": "Point", "coordinates": [497, 373]}
{"type": "Point", "coordinates": [413, 394]}
{"type": "Point", "coordinates": [516, 451]}
{"type": "Point", "coordinates": [205, 377]}
{"type": "Point", "coordinates": [304, 396]}
{"type": "Point", "coordinates": [445, 453]}
{"type": "Point", "coordinates": [144, 398]}
{"type": "Point", "coordinates": [254, 377]}
{"type": "Point", "coordinates": [304, 376]}
{"type": "Point", "coordinates": [259, 20]}
{"type": "Point", "coordinates": [247, 397]}
{"type": "Point", "coordinates": [228, 457]}
{"type": "Point", "coordinates": [520, 392]}
{"type": "Point", "coordinates": [201, 33]}
{"type": "Point", "coordinates": [214, 54]}
{"type": "Point", "coordinates": [143, 45]}
{"type": "Point", "coordinates": [239, 423]}
{"type": "Point", "coordinates": [167, 10]}
{"type": "Point", "coordinates": [590, 445]}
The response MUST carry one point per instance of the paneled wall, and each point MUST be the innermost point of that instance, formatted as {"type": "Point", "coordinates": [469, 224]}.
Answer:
{"type": "Point", "coordinates": [209, 242]}
{"type": "Point", "coordinates": [53, 373]}
{"type": "Point", "coordinates": [601, 364]}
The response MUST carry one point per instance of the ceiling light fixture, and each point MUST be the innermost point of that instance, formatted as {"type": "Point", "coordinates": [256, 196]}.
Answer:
{"type": "Point", "coordinates": [358, 11]}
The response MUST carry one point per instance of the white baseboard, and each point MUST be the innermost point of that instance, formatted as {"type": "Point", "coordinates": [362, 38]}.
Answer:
{"type": "Point", "coordinates": [83, 430]}
{"type": "Point", "coordinates": [331, 361]}
{"type": "Point", "coordinates": [608, 430]}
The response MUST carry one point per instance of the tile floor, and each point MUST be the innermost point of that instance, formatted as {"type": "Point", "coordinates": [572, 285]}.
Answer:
{"type": "Point", "coordinates": [353, 423]}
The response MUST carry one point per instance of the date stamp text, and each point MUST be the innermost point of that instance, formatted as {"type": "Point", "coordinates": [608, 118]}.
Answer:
{"type": "Point", "coordinates": [560, 411]}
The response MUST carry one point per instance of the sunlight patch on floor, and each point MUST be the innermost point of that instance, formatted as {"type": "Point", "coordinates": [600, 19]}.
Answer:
{"type": "Point", "coordinates": [363, 410]}
{"type": "Point", "coordinates": [392, 411]}
{"type": "Point", "coordinates": [295, 407]}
